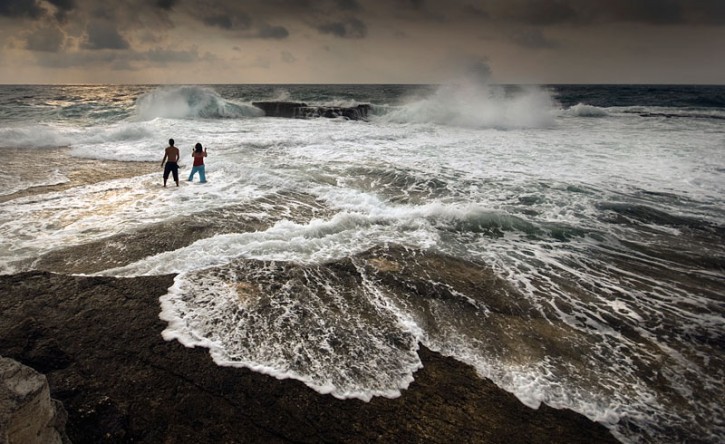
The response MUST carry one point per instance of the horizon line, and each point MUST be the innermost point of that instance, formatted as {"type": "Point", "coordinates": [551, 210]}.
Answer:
{"type": "Point", "coordinates": [360, 84]}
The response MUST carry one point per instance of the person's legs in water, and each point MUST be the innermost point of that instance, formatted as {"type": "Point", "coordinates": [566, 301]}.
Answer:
{"type": "Point", "coordinates": [167, 170]}
{"type": "Point", "coordinates": [175, 173]}
{"type": "Point", "coordinates": [200, 170]}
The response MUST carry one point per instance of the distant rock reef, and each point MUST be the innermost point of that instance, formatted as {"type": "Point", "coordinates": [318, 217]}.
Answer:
{"type": "Point", "coordinates": [298, 110]}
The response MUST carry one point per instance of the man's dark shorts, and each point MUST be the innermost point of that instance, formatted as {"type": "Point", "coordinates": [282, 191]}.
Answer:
{"type": "Point", "coordinates": [173, 168]}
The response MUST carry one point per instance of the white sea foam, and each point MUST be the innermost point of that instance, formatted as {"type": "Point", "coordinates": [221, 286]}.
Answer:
{"type": "Point", "coordinates": [381, 358]}
{"type": "Point", "coordinates": [468, 172]}
{"type": "Point", "coordinates": [10, 183]}
{"type": "Point", "coordinates": [475, 105]}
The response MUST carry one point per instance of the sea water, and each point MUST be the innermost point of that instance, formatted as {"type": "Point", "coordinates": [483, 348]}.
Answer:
{"type": "Point", "coordinates": [565, 241]}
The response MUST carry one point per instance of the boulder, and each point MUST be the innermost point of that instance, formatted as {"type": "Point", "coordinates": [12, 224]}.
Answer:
{"type": "Point", "coordinates": [27, 413]}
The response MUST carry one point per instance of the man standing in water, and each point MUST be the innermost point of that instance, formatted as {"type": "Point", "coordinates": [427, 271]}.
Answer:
{"type": "Point", "coordinates": [172, 166]}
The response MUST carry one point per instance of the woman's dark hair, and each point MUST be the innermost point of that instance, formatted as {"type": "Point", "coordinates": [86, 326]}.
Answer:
{"type": "Point", "coordinates": [197, 147]}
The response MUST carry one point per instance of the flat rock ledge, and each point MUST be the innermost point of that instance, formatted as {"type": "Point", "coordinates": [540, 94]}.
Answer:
{"type": "Point", "coordinates": [98, 341]}
{"type": "Point", "coordinates": [27, 413]}
{"type": "Point", "coordinates": [298, 110]}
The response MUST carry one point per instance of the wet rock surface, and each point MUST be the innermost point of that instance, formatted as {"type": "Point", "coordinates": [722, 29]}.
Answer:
{"type": "Point", "coordinates": [128, 247]}
{"type": "Point", "coordinates": [98, 340]}
{"type": "Point", "coordinates": [298, 110]}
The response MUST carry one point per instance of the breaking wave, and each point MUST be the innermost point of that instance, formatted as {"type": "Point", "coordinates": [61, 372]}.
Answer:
{"type": "Point", "coordinates": [34, 136]}
{"type": "Point", "coordinates": [189, 102]}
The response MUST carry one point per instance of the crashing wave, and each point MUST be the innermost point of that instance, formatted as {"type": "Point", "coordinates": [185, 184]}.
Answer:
{"type": "Point", "coordinates": [189, 102]}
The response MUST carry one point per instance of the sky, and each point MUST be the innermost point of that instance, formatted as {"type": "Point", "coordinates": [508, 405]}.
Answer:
{"type": "Point", "coordinates": [361, 41]}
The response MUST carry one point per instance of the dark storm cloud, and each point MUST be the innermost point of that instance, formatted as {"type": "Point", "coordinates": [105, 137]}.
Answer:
{"type": "Point", "coordinates": [546, 12]}
{"type": "Point", "coordinates": [530, 12]}
{"type": "Point", "coordinates": [45, 39]}
{"type": "Point", "coordinates": [103, 35]}
{"type": "Point", "coordinates": [475, 11]}
{"type": "Point", "coordinates": [166, 4]}
{"type": "Point", "coordinates": [21, 8]}
{"type": "Point", "coordinates": [272, 32]}
{"type": "Point", "coordinates": [220, 21]}
{"type": "Point", "coordinates": [351, 28]}
{"type": "Point", "coordinates": [103, 11]}
{"type": "Point", "coordinates": [663, 12]}
{"type": "Point", "coordinates": [582, 12]}
{"type": "Point", "coordinates": [651, 11]}
{"type": "Point", "coordinates": [533, 39]}
{"type": "Point", "coordinates": [229, 21]}
{"type": "Point", "coordinates": [119, 25]}
{"type": "Point", "coordinates": [162, 56]}
{"type": "Point", "coordinates": [63, 5]}
{"type": "Point", "coordinates": [32, 8]}
{"type": "Point", "coordinates": [348, 5]}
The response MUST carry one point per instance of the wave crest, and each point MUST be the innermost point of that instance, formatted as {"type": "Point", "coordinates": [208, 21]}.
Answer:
{"type": "Point", "coordinates": [34, 136]}
{"type": "Point", "coordinates": [582, 110]}
{"type": "Point", "coordinates": [188, 102]}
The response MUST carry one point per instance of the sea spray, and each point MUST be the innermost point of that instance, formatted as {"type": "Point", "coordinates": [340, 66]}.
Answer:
{"type": "Point", "coordinates": [473, 104]}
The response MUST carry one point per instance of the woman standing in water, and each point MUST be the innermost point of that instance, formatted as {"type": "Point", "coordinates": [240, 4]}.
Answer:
{"type": "Point", "coordinates": [198, 156]}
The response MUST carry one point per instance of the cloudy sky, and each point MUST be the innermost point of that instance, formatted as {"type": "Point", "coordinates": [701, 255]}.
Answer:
{"type": "Point", "coordinates": [361, 41]}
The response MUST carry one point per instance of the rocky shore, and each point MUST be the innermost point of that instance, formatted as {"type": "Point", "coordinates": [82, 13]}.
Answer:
{"type": "Point", "coordinates": [98, 341]}
{"type": "Point", "coordinates": [298, 110]}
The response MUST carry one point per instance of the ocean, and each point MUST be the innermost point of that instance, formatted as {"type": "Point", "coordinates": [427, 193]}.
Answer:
{"type": "Point", "coordinates": [567, 241]}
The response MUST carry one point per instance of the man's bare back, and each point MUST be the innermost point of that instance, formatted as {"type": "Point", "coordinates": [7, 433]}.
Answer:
{"type": "Point", "coordinates": [172, 154]}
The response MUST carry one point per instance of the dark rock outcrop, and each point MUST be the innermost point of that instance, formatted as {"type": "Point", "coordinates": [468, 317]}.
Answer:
{"type": "Point", "coordinates": [121, 382]}
{"type": "Point", "coordinates": [27, 413]}
{"type": "Point", "coordinates": [297, 110]}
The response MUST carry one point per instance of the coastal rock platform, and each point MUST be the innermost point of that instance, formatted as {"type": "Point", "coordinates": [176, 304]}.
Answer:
{"type": "Point", "coordinates": [98, 341]}
{"type": "Point", "coordinates": [297, 110]}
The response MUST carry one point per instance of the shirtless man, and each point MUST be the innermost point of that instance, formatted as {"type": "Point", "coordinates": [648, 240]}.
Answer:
{"type": "Point", "coordinates": [172, 154]}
